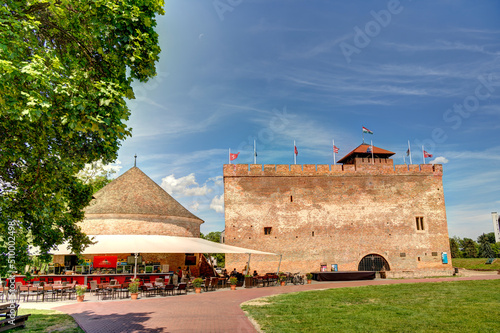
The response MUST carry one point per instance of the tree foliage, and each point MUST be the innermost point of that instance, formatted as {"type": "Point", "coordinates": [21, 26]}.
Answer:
{"type": "Point", "coordinates": [455, 248]}
{"type": "Point", "coordinates": [215, 236]}
{"type": "Point", "coordinates": [66, 68]}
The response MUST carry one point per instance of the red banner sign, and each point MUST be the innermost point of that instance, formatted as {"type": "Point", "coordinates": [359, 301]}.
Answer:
{"type": "Point", "coordinates": [105, 261]}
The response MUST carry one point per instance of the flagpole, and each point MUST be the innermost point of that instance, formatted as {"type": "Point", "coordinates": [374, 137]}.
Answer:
{"type": "Point", "coordinates": [371, 144]}
{"type": "Point", "coordinates": [423, 154]}
{"type": "Point", "coordinates": [404, 159]}
{"type": "Point", "coordinates": [254, 152]}
{"type": "Point", "coordinates": [363, 135]}
{"type": "Point", "coordinates": [333, 142]}
{"type": "Point", "coordinates": [294, 155]}
{"type": "Point", "coordinates": [229, 156]}
{"type": "Point", "coordinates": [409, 150]}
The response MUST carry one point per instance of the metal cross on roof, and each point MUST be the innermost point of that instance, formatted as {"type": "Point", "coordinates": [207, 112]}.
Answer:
{"type": "Point", "coordinates": [135, 161]}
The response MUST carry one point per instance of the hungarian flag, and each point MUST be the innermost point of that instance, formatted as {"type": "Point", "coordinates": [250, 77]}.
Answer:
{"type": "Point", "coordinates": [366, 130]}
{"type": "Point", "coordinates": [335, 150]}
{"type": "Point", "coordinates": [427, 155]}
{"type": "Point", "coordinates": [295, 150]}
{"type": "Point", "coordinates": [232, 157]}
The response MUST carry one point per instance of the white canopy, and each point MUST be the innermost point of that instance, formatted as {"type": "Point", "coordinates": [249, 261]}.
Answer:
{"type": "Point", "coordinates": [155, 244]}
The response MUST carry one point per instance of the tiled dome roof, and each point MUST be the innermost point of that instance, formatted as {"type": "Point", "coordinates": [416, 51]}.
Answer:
{"type": "Point", "coordinates": [135, 193]}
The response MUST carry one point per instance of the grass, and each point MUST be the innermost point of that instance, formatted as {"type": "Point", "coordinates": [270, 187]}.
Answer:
{"type": "Point", "coordinates": [464, 306]}
{"type": "Point", "coordinates": [476, 263]}
{"type": "Point", "coordinates": [48, 321]}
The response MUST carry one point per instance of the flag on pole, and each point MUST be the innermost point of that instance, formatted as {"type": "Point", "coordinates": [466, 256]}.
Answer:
{"type": "Point", "coordinates": [295, 153]}
{"type": "Point", "coordinates": [366, 130]}
{"type": "Point", "coordinates": [254, 152]}
{"type": "Point", "coordinates": [232, 157]}
{"type": "Point", "coordinates": [369, 149]}
{"type": "Point", "coordinates": [335, 151]}
{"type": "Point", "coordinates": [408, 152]}
{"type": "Point", "coordinates": [427, 155]}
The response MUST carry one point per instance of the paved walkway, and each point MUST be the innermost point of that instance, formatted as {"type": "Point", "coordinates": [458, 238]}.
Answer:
{"type": "Point", "coordinates": [207, 312]}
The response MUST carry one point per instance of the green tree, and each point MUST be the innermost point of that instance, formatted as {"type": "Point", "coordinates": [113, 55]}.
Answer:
{"type": "Point", "coordinates": [97, 175]}
{"type": "Point", "coordinates": [214, 236]}
{"type": "Point", "coordinates": [66, 68]}
{"type": "Point", "coordinates": [455, 248]}
{"type": "Point", "coordinates": [488, 238]}
{"type": "Point", "coordinates": [469, 248]}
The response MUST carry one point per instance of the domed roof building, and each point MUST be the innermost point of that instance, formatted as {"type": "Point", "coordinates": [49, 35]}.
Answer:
{"type": "Point", "coordinates": [135, 204]}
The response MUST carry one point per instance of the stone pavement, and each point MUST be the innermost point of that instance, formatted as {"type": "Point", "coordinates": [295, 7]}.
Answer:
{"type": "Point", "coordinates": [207, 312]}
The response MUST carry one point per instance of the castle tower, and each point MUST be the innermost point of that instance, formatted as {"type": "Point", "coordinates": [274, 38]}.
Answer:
{"type": "Point", "coordinates": [366, 214]}
{"type": "Point", "coordinates": [133, 204]}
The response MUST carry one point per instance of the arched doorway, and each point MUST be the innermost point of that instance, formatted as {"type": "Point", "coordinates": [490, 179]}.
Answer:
{"type": "Point", "coordinates": [373, 262]}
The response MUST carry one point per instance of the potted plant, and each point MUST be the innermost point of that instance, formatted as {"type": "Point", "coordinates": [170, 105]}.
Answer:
{"type": "Point", "coordinates": [248, 281]}
{"type": "Point", "coordinates": [282, 279]}
{"type": "Point", "coordinates": [133, 287]}
{"type": "Point", "coordinates": [309, 277]}
{"type": "Point", "coordinates": [80, 292]}
{"type": "Point", "coordinates": [197, 285]}
{"type": "Point", "coordinates": [233, 281]}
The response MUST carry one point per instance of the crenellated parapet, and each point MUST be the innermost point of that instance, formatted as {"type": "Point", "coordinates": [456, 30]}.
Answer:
{"type": "Point", "coordinates": [299, 170]}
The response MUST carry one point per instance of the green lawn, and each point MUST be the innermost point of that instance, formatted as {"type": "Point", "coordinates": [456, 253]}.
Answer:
{"type": "Point", "coordinates": [476, 263]}
{"type": "Point", "coordinates": [463, 306]}
{"type": "Point", "coordinates": [48, 321]}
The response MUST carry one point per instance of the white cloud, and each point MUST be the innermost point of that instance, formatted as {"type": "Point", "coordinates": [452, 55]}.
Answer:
{"type": "Point", "coordinates": [194, 206]}
{"type": "Point", "coordinates": [217, 203]}
{"type": "Point", "coordinates": [184, 186]}
{"type": "Point", "coordinates": [439, 160]}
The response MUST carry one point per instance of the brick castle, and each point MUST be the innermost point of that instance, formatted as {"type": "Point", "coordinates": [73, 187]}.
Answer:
{"type": "Point", "coordinates": [366, 214]}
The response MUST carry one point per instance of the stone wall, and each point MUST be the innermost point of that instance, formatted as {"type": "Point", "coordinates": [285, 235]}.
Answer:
{"type": "Point", "coordinates": [337, 215]}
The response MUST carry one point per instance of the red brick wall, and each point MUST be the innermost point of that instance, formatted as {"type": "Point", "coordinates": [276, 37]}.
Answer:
{"type": "Point", "coordinates": [338, 215]}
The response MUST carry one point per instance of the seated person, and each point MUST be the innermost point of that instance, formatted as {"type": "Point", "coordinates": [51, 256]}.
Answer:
{"type": "Point", "coordinates": [234, 272]}
{"type": "Point", "coordinates": [255, 274]}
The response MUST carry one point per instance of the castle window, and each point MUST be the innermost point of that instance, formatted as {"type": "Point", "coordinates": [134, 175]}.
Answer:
{"type": "Point", "coordinates": [402, 254]}
{"type": "Point", "coordinates": [419, 220]}
{"type": "Point", "coordinates": [312, 234]}
{"type": "Point", "coordinates": [291, 198]}
{"type": "Point", "coordinates": [434, 254]}
{"type": "Point", "coordinates": [267, 230]}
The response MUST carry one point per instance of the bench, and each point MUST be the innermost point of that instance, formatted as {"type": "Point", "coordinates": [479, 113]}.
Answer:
{"type": "Point", "coordinates": [490, 261]}
{"type": "Point", "coordinates": [6, 322]}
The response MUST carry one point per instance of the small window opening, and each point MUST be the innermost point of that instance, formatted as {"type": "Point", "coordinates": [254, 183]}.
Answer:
{"type": "Point", "coordinates": [418, 258]}
{"type": "Point", "coordinates": [291, 198]}
{"type": "Point", "coordinates": [267, 230]}
{"type": "Point", "coordinates": [419, 220]}
{"type": "Point", "coordinates": [312, 234]}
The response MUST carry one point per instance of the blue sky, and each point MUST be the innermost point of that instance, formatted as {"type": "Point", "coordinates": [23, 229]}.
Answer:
{"type": "Point", "coordinates": [274, 71]}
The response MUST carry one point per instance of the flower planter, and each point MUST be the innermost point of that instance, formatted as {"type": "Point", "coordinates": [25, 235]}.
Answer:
{"type": "Point", "coordinates": [197, 290]}
{"type": "Point", "coordinates": [282, 283]}
{"type": "Point", "coordinates": [80, 298]}
{"type": "Point", "coordinates": [309, 281]}
{"type": "Point", "coordinates": [233, 287]}
{"type": "Point", "coordinates": [134, 295]}
{"type": "Point", "coordinates": [248, 282]}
